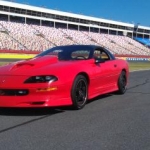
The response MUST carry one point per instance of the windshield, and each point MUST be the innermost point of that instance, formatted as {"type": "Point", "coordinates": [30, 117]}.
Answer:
{"type": "Point", "coordinates": [73, 52]}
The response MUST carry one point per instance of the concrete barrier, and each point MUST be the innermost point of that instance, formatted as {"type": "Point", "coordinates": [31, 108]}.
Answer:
{"type": "Point", "coordinates": [15, 56]}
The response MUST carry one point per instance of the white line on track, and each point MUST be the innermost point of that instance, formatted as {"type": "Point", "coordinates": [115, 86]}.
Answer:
{"type": "Point", "coordinates": [140, 70]}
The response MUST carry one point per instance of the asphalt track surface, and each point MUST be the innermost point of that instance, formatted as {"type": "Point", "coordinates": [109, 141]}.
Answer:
{"type": "Point", "coordinates": [110, 122]}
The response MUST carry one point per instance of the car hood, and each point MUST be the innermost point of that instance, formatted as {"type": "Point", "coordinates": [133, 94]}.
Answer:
{"type": "Point", "coordinates": [40, 65]}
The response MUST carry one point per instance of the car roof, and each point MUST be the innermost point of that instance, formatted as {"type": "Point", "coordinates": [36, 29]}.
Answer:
{"type": "Point", "coordinates": [92, 47]}
{"type": "Point", "coordinates": [80, 45]}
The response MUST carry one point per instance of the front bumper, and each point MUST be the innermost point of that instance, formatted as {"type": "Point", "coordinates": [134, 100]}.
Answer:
{"type": "Point", "coordinates": [35, 97]}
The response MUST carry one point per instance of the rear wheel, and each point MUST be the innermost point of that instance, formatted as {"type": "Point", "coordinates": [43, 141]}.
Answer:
{"type": "Point", "coordinates": [122, 83]}
{"type": "Point", "coordinates": [79, 92]}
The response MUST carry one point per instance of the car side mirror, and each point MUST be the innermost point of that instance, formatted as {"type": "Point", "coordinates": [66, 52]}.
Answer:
{"type": "Point", "coordinates": [99, 61]}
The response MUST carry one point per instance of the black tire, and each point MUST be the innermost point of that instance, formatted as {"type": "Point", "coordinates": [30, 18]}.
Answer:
{"type": "Point", "coordinates": [122, 83]}
{"type": "Point", "coordinates": [79, 92]}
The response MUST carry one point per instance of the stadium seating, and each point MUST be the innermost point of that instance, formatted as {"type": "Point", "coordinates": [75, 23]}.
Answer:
{"type": "Point", "coordinates": [19, 36]}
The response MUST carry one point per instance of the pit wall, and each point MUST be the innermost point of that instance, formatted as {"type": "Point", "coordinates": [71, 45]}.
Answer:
{"type": "Point", "coordinates": [134, 58]}
{"type": "Point", "coordinates": [13, 54]}
{"type": "Point", "coordinates": [17, 54]}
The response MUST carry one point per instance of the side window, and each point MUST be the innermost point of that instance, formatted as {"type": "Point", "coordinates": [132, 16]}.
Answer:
{"type": "Point", "coordinates": [80, 54]}
{"type": "Point", "coordinates": [100, 54]}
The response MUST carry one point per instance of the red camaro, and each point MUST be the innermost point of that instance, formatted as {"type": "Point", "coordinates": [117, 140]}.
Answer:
{"type": "Point", "coordinates": [63, 75]}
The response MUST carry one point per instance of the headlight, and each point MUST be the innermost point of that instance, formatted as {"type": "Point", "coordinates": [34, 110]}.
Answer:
{"type": "Point", "coordinates": [41, 79]}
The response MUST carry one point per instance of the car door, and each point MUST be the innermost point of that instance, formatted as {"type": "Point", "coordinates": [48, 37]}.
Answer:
{"type": "Point", "coordinates": [105, 72]}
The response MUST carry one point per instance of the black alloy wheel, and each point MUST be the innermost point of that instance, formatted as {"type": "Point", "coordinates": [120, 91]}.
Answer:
{"type": "Point", "coordinates": [79, 92]}
{"type": "Point", "coordinates": [122, 83]}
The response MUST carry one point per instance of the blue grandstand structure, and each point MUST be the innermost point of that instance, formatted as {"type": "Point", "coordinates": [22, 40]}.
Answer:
{"type": "Point", "coordinates": [144, 41]}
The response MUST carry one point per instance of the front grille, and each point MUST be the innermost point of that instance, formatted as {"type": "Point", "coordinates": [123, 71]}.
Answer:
{"type": "Point", "coordinates": [14, 92]}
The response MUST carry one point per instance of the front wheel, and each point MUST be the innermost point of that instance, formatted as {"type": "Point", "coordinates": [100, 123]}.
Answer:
{"type": "Point", "coordinates": [122, 83]}
{"type": "Point", "coordinates": [79, 92]}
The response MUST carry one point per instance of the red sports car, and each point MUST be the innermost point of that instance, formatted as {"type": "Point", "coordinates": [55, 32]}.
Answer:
{"type": "Point", "coordinates": [63, 75]}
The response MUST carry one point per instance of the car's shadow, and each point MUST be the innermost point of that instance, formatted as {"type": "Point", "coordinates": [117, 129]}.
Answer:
{"type": "Point", "coordinates": [38, 114]}
{"type": "Point", "coordinates": [29, 111]}
{"type": "Point", "coordinates": [101, 97]}
{"type": "Point", "coordinates": [98, 98]}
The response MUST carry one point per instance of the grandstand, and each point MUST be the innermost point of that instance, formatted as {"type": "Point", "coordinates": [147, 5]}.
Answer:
{"type": "Point", "coordinates": [30, 29]}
